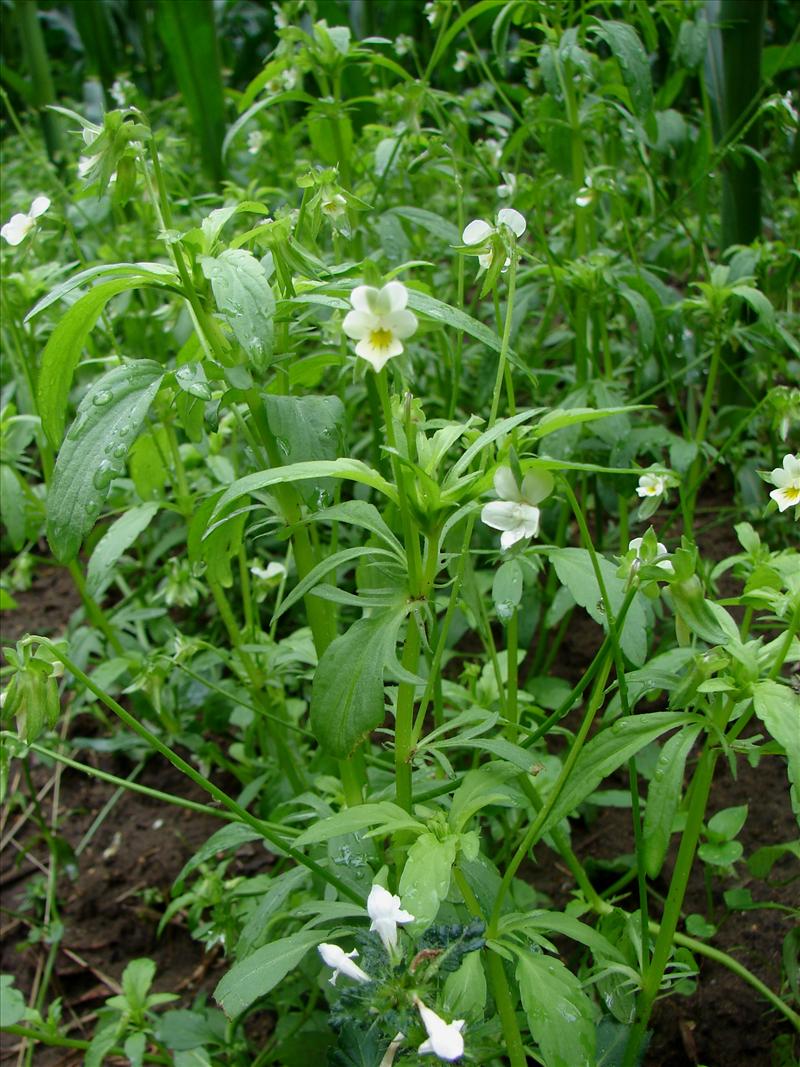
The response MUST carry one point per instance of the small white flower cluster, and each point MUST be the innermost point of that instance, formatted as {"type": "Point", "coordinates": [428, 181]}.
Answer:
{"type": "Point", "coordinates": [444, 1040]}
{"type": "Point", "coordinates": [20, 225]}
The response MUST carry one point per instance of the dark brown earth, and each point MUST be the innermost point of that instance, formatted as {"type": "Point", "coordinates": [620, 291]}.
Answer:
{"type": "Point", "coordinates": [111, 910]}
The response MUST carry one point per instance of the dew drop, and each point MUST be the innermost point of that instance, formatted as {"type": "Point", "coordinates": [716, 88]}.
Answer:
{"type": "Point", "coordinates": [102, 397]}
{"type": "Point", "coordinates": [103, 476]}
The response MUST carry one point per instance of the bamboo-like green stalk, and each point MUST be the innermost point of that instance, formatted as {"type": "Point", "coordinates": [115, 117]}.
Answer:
{"type": "Point", "coordinates": [38, 62]}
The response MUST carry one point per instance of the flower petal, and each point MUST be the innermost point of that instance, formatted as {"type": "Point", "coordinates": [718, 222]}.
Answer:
{"type": "Point", "coordinates": [505, 484]}
{"type": "Point", "coordinates": [510, 537]}
{"type": "Point", "coordinates": [402, 323]}
{"type": "Point", "coordinates": [378, 357]}
{"type": "Point", "coordinates": [16, 229]}
{"type": "Point", "coordinates": [394, 296]}
{"type": "Point", "coordinates": [507, 216]}
{"type": "Point", "coordinates": [536, 485]}
{"type": "Point", "coordinates": [785, 497]}
{"type": "Point", "coordinates": [364, 298]}
{"type": "Point", "coordinates": [476, 232]}
{"type": "Point", "coordinates": [357, 324]}
{"type": "Point", "coordinates": [501, 515]}
{"type": "Point", "coordinates": [39, 206]}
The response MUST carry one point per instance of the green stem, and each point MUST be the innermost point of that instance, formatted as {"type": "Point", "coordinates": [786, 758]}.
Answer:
{"type": "Point", "coordinates": [535, 829]}
{"type": "Point", "coordinates": [404, 718]}
{"type": "Point", "coordinates": [651, 982]}
{"type": "Point", "coordinates": [47, 1037]}
{"type": "Point", "coordinates": [504, 341]}
{"type": "Point", "coordinates": [259, 825]}
{"type": "Point", "coordinates": [512, 709]}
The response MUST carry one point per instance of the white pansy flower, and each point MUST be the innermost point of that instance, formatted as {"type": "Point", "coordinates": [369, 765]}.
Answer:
{"type": "Point", "coordinates": [281, 22]}
{"type": "Point", "coordinates": [787, 480]}
{"type": "Point", "coordinates": [403, 44]}
{"type": "Point", "coordinates": [385, 911]}
{"type": "Point", "coordinates": [463, 60]}
{"type": "Point", "coordinates": [661, 551]}
{"type": "Point", "coordinates": [380, 322]}
{"type": "Point", "coordinates": [266, 574]}
{"type": "Point", "coordinates": [479, 232]}
{"type": "Point", "coordinates": [515, 513]}
{"type": "Point", "coordinates": [290, 78]}
{"type": "Point", "coordinates": [19, 226]}
{"type": "Point", "coordinates": [255, 142]}
{"type": "Point", "coordinates": [332, 204]}
{"type": "Point", "coordinates": [586, 194]}
{"type": "Point", "coordinates": [653, 485]}
{"type": "Point", "coordinates": [432, 12]}
{"type": "Point", "coordinates": [342, 963]}
{"type": "Point", "coordinates": [508, 187]}
{"type": "Point", "coordinates": [445, 1040]}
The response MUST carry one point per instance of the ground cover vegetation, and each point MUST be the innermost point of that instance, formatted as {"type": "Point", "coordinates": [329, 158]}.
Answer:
{"type": "Point", "coordinates": [402, 401]}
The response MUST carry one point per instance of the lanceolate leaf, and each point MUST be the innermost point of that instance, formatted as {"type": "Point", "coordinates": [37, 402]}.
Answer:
{"type": "Point", "coordinates": [63, 351]}
{"type": "Point", "coordinates": [624, 42]}
{"type": "Point", "coordinates": [349, 469]}
{"type": "Point", "coordinates": [664, 795]}
{"type": "Point", "coordinates": [109, 419]}
{"type": "Point", "coordinates": [560, 1015]}
{"type": "Point", "coordinates": [347, 698]}
{"type": "Point", "coordinates": [260, 972]}
{"type": "Point", "coordinates": [243, 295]}
{"type": "Point", "coordinates": [608, 750]}
{"type": "Point", "coordinates": [114, 542]}
{"type": "Point", "coordinates": [778, 707]}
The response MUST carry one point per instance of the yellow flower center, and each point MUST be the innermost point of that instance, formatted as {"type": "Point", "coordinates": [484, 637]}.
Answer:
{"type": "Point", "coordinates": [380, 338]}
{"type": "Point", "coordinates": [792, 492]}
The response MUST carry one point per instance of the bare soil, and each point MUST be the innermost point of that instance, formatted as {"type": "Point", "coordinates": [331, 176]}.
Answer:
{"type": "Point", "coordinates": [122, 880]}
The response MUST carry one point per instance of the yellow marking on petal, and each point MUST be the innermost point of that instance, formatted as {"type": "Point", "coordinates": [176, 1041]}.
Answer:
{"type": "Point", "coordinates": [380, 338]}
{"type": "Point", "coordinates": [792, 492]}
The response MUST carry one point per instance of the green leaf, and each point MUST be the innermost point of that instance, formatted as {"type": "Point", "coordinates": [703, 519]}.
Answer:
{"type": "Point", "coordinates": [481, 787]}
{"type": "Point", "coordinates": [644, 316]}
{"type": "Point", "coordinates": [12, 1002]}
{"type": "Point", "coordinates": [624, 42]}
{"type": "Point", "coordinates": [548, 922]}
{"type": "Point", "coordinates": [324, 568]}
{"type": "Point", "coordinates": [255, 930]}
{"type": "Point", "coordinates": [574, 569]}
{"type": "Point", "coordinates": [63, 350]}
{"type": "Point", "coordinates": [225, 839]}
{"type": "Point", "coordinates": [257, 974]}
{"type": "Point", "coordinates": [243, 295]}
{"type": "Point", "coordinates": [778, 707]}
{"type": "Point", "coordinates": [757, 301]}
{"type": "Point", "coordinates": [93, 454]}
{"type": "Point", "coordinates": [430, 222]}
{"type": "Point", "coordinates": [348, 469]}
{"type": "Point", "coordinates": [608, 750]}
{"type": "Point", "coordinates": [363, 514]}
{"type": "Point", "coordinates": [146, 273]}
{"type": "Point", "coordinates": [453, 317]}
{"type": "Point", "coordinates": [425, 880]}
{"type": "Point", "coordinates": [347, 698]}
{"type": "Point", "coordinates": [725, 825]}
{"type": "Point", "coordinates": [189, 34]}
{"type": "Point", "coordinates": [663, 797]}
{"type": "Point", "coordinates": [559, 418]}
{"type": "Point", "coordinates": [13, 496]}
{"type": "Point", "coordinates": [307, 428]}
{"type": "Point", "coordinates": [115, 541]}
{"type": "Point", "coordinates": [361, 817]}
{"type": "Point", "coordinates": [464, 993]}
{"type": "Point", "coordinates": [136, 981]}
{"type": "Point", "coordinates": [560, 1015]}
